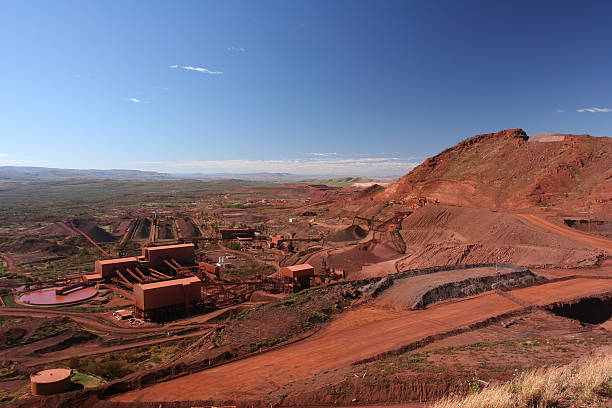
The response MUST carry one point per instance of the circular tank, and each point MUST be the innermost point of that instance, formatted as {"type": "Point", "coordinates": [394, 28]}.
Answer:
{"type": "Point", "coordinates": [52, 381]}
{"type": "Point", "coordinates": [50, 297]}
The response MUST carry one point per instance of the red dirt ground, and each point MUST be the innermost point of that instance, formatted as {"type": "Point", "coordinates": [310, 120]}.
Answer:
{"type": "Point", "coordinates": [359, 334]}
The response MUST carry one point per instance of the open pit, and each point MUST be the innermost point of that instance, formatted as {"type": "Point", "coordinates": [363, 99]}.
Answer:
{"type": "Point", "coordinates": [596, 227]}
{"type": "Point", "coordinates": [592, 310]}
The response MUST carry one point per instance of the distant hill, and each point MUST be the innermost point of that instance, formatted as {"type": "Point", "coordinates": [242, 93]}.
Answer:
{"type": "Point", "coordinates": [38, 174]}
{"type": "Point", "coordinates": [27, 174]}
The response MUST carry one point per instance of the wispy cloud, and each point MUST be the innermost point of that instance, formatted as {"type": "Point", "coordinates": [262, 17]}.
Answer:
{"type": "Point", "coordinates": [5, 161]}
{"type": "Point", "coordinates": [560, 110]}
{"type": "Point", "coordinates": [203, 70]}
{"type": "Point", "coordinates": [173, 66]}
{"type": "Point", "coordinates": [323, 154]}
{"type": "Point", "coordinates": [235, 49]}
{"type": "Point", "coordinates": [594, 110]}
{"type": "Point", "coordinates": [320, 165]}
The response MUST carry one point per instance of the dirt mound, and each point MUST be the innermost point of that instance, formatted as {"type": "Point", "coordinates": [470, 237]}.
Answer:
{"type": "Point", "coordinates": [354, 258]}
{"type": "Point", "coordinates": [31, 244]}
{"type": "Point", "coordinates": [352, 233]}
{"type": "Point", "coordinates": [370, 191]}
{"type": "Point", "coordinates": [93, 231]}
{"type": "Point", "coordinates": [501, 170]}
{"type": "Point", "coordinates": [187, 228]}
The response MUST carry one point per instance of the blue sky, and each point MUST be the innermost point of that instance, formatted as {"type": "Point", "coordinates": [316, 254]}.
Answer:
{"type": "Point", "coordinates": [310, 87]}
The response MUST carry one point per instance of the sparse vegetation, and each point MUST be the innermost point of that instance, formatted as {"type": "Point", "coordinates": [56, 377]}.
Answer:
{"type": "Point", "coordinates": [247, 271]}
{"type": "Point", "coordinates": [116, 365]}
{"type": "Point", "coordinates": [588, 383]}
{"type": "Point", "coordinates": [86, 380]}
{"type": "Point", "coordinates": [52, 327]}
{"type": "Point", "coordinates": [9, 301]}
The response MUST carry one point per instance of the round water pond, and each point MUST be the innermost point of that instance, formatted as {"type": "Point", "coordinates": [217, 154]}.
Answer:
{"type": "Point", "coordinates": [49, 296]}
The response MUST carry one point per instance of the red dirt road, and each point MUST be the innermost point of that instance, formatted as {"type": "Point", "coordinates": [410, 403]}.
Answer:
{"type": "Point", "coordinates": [87, 319]}
{"type": "Point", "coordinates": [596, 242]}
{"type": "Point", "coordinates": [564, 290]}
{"type": "Point", "coordinates": [359, 334]}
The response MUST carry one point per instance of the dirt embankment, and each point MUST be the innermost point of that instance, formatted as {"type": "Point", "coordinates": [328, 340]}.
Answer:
{"type": "Point", "coordinates": [441, 235]}
{"type": "Point", "coordinates": [417, 292]}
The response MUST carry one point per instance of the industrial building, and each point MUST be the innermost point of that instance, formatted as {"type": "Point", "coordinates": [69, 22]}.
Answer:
{"type": "Point", "coordinates": [210, 268]}
{"type": "Point", "coordinates": [92, 278]}
{"type": "Point", "coordinates": [155, 263]}
{"type": "Point", "coordinates": [297, 277]}
{"type": "Point", "coordinates": [276, 241]}
{"type": "Point", "coordinates": [109, 267]}
{"type": "Point", "coordinates": [156, 256]}
{"type": "Point", "coordinates": [166, 299]}
{"type": "Point", "coordinates": [53, 381]}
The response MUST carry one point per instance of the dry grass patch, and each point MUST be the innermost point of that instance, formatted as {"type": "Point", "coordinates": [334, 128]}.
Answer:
{"type": "Point", "coordinates": [543, 387]}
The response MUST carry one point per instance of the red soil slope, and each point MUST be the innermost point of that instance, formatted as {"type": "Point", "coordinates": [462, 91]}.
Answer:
{"type": "Point", "coordinates": [504, 170]}
{"type": "Point", "coordinates": [440, 235]}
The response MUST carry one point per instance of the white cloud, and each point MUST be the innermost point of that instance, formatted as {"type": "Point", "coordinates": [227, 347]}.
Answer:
{"type": "Point", "coordinates": [324, 154]}
{"type": "Point", "coordinates": [236, 49]}
{"type": "Point", "coordinates": [560, 110]}
{"type": "Point", "coordinates": [319, 165]}
{"type": "Point", "coordinates": [135, 100]}
{"type": "Point", "coordinates": [4, 161]}
{"type": "Point", "coordinates": [173, 66]}
{"type": "Point", "coordinates": [203, 70]}
{"type": "Point", "coordinates": [594, 110]}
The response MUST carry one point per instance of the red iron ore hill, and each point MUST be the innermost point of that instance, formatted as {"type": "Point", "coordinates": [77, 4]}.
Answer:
{"type": "Point", "coordinates": [511, 170]}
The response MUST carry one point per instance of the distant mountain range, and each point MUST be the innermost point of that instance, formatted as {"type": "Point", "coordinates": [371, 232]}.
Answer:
{"type": "Point", "coordinates": [33, 174]}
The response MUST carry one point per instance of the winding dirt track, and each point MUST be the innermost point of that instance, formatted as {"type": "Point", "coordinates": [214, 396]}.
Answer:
{"type": "Point", "coordinates": [90, 320]}
{"type": "Point", "coordinates": [10, 263]}
{"type": "Point", "coordinates": [86, 319]}
{"type": "Point", "coordinates": [596, 242]}
{"type": "Point", "coordinates": [95, 349]}
{"type": "Point", "coordinates": [362, 333]}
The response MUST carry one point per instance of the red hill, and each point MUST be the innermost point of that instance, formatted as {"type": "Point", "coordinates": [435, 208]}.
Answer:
{"type": "Point", "coordinates": [510, 170]}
